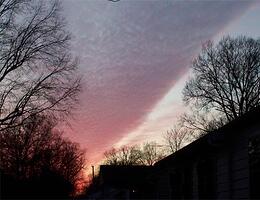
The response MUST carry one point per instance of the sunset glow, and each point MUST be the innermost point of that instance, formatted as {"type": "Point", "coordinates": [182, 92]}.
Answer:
{"type": "Point", "coordinates": [129, 99]}
{"type": "Point", "coordinates": [135, 58]}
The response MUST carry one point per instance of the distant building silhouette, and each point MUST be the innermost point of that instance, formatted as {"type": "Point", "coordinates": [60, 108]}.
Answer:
{"type": "Point", "coordinates": [123, 182]}
{"type": "Point", "coordinates": [224, 164]}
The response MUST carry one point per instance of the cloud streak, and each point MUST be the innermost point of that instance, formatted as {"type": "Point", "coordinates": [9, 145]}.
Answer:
{"type": "Point", "coordinates": [132, 53]}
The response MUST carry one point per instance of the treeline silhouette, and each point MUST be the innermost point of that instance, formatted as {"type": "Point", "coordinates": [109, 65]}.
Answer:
{"type": "Point", "coordinates": [37, 162]}
{"type": "Point", "coordinates": [147, 154]}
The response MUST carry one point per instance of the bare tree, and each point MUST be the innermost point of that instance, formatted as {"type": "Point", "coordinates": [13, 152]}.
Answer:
{"type": "Point", "coordinates": [28, 149]}
{"type": "Point", "coordinates": [200, 123]}
{"type": "Point", "coordinates": [123, 156]}
{"type": "Point", "coordinates": [151, 153]}
{"type": "Point", "coordinates": [67, 158]}
{"type": "Point", "coordinates": [226, 77]}
{"type": "Point", "coordinates": [148, 154]}
{"type": "Point", "coordinates": [37, 72]}
{"type": "Point", "coordinates": [177, 137]}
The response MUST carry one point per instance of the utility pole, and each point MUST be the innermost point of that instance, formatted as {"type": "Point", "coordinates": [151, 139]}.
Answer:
{"type": "Point", "coordinates": [93, 172]}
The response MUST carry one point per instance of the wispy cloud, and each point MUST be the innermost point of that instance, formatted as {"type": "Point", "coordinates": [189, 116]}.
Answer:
{"type": "Point", "coordinates": [132, 53]}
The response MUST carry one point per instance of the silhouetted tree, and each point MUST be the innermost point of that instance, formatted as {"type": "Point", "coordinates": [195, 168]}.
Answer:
{"type": "Point", "coordinates": [151, 153]}
{"type": "Point", "coordinates": [126, 155]}
{"type": "Point", "coordinates": [37, 161]}
{"type": "Point", "coordinates": [37, 72]}
{"type": "Point", "coordinates": [148, 154]}
{"type": "Point", "coordinates": [199, 124]}
{"type": "Point", "coordinates": [226, 77]}
{"type": "Point", "coordinates": [190, 127]}
{"type": "Point", "coordinates": [177, 137]}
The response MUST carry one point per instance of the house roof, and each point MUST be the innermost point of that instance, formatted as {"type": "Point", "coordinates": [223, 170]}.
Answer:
{"type": "Point", "coordinates": [213, 139]}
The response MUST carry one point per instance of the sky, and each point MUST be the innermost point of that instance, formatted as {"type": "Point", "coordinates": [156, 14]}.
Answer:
{"type": "Point", "coordinates": [135, 57]}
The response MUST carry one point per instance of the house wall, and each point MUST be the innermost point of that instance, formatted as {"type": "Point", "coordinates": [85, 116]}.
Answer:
{"type": "Point", "coordinates": [229, 173]}
{"type": "Point", "coordinates": [239, 179]}
{"type": "Point", "coordinates": [223, 175]}
{"type": "Point", "coordinates": [163, 188]}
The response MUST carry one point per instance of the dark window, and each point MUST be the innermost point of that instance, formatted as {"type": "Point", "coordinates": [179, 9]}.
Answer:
{"type": "Point", "coordinates": [254, 166]}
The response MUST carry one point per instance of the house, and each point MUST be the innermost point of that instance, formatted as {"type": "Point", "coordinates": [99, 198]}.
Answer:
{"type": "Point", "coordinates": [224, 164]}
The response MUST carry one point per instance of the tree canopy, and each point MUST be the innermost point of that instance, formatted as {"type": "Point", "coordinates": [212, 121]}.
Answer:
{"type": "Point", "coordinates": [37, 71]}
{"type": "Point", "coordinates": [36, 154]}
{"type": "Point", "coordinates": [147, 154]}
{"type": "Point", "coordinates": [226, 77]}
